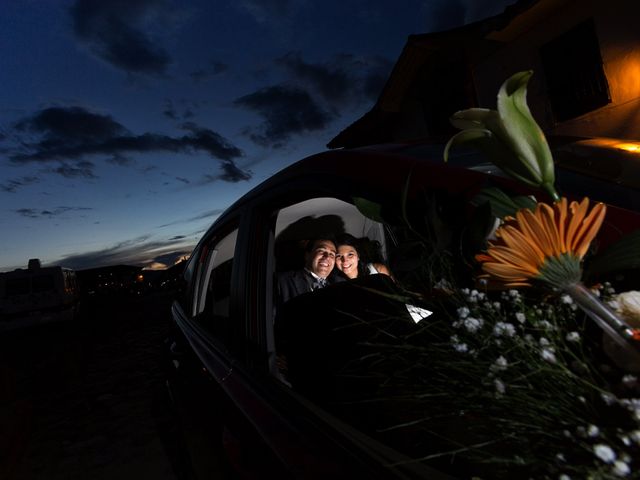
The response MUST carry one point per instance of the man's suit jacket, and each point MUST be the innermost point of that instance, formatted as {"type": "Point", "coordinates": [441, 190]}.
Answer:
{"type": "Point", "coordinates": [293, 283]}
{"type": "Point", "coordinates": [296, 282]}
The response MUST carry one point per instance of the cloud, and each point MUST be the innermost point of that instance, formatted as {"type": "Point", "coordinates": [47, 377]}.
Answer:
{"type": "Point", "coordinates": [141, 251]}
{"type": "Point", "coordinates": [208, 215]}
{"type": "Point", "coordinates": [63, 124]}
{"type": "Point", "coordinates": [342, 81]}
{"type": "Point", "coordinates": [69, 135]}
{"type": "Point", "coordinates": [214, 68]}
{"type": "Point", "coordinates": [285, 111]}
{"type": "Point", "coordinates": [186, 108]}
{"type": "Point", "coordinates": [80, 170]}
{"type": "Point", "coordinates": [120, 33]}
{"type": "Point", "coordinates": [445, 14]}
{"type": "Point", "coordinates": [270, 11]}
{"type": "Point", "coordinates": [231, 173]}
{"type": "Point", "coordinates": [331, 81]}
{"type": "Point", "coordinates": [313, 95]}
{"type": "Point", "coordinates": [12, 185]}
{"type": "Point", "coordinates": [37, 213]}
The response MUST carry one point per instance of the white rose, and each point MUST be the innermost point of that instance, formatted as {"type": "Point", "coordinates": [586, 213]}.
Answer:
{"type": "Point", "coordinates": [627, 305]}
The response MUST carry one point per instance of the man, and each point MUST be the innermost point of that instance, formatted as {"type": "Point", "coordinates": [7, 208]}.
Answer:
{"type": "Point", "coordinates": [319, 260]}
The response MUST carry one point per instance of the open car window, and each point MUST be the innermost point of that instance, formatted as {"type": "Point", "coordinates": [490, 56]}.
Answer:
{"type": "Point", "coordinates": [302, 221]}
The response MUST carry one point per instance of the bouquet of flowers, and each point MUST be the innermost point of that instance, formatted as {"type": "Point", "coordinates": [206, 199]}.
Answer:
{"type": "Point", "coordinates": [533, 373]}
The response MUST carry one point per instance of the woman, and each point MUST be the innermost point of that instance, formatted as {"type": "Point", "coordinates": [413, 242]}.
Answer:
{"type": "Point", "coordinates": [348, 259]}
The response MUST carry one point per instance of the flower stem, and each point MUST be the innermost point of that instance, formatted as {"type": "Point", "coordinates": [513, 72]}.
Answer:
{"type": "Point", "coordinates": [616, 328]}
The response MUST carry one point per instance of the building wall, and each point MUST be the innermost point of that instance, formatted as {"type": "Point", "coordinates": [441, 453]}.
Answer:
{"type": "Point", "coordinates": [619, 36]}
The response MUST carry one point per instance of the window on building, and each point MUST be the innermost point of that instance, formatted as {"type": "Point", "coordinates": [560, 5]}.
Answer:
{"type": "Point", "coordinates": [576, 83]}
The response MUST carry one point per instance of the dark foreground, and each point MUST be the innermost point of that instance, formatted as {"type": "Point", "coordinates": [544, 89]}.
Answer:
{"type": "Point", "coordinates": [87, 399]}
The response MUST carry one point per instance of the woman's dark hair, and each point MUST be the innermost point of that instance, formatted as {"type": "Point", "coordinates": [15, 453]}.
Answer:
{"type": "Point", "coordinates": [350, 240]}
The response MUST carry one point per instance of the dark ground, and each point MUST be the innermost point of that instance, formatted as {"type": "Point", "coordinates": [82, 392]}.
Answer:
{"type": "Point", "coordinates": [87, 399]}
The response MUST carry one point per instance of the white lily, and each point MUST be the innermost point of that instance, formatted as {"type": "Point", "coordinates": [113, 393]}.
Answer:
{"type": "Point", "coordinates": [510, 136]}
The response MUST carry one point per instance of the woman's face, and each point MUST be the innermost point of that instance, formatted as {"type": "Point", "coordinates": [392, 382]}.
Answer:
{"type": "Point", "coordinates": [347, 260]}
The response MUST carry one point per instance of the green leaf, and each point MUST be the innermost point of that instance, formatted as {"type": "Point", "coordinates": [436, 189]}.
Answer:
{"type": "Point", "coordinates": [522, 132]}
{"type": "Point", "coordinates": [502, 204]}
{"type": "Point", "coordinates": [473, 118]}
{"type": "Point", "coordinates": [622, 255]}
{"type": "Point", "coordinates": [472, 135]}
{"type": "Point", "coordinates": [369, 209]}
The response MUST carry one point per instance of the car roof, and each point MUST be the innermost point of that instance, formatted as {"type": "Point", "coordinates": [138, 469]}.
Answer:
{"type": "Point", "coordinates": [376, 167]}
{"type": "Point", "coordinates": [388, 166]}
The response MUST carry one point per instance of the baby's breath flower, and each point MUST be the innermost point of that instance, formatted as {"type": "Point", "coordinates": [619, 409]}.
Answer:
{"type": "Point", "coordinates": [546, 325]}
{"type": "Point", "coordinates": [521, 317]}
{"type": "Point", "coordinates": [625, 440]}
{"type": "Point", "coordinates": [635, 436]}
{"type": "Point", "coordinates": [604, 453]}
{"type": "Point", "coordinates": [573, 337]}
{"type": "Point", "coordinates": [514, 294]}
{"type": "Point", "coordinates": [544, 342]}
{"type": "Point", "coordinates": [473, 324]}
{"type": "Point", "coordinates": [566, 299]}
{"type": "Point", "coordinates": [504, 329]}
{"type": "Point", "coordinates": [463, 312]}
{"type": "Point", "coordinates": [458, 347]}
{"type": "Point", "coordinates": [443, 284]}
{"type": "Point", "coordinates": [629, 380]}
{"type": "Point", "coordinates": [560, 457]}
{"type": "Point", "coordinates": [608, 399]}
{"type": "Point", "coordinates": [500, 387]}
{"type": "Point", "coordinates": [621, 469]}
{"type": "Point", "coordinates": [497, 305]}
{"type": "Point", "coordinates": [593, 431]}
{"type": "Point", "coordinates": [499, 365]}
{"type": "Point", "coordinates": [548, 355]}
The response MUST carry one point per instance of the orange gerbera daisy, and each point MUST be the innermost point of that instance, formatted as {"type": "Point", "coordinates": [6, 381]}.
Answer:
{"type": "Point", "coordinates": [547, 244]}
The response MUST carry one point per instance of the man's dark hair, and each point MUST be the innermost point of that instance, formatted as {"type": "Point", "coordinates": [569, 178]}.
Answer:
{"type": "Point", "coordinates": [312, 241]}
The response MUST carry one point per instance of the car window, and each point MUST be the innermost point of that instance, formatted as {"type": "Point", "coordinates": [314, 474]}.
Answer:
{"type": "Point", "coordinates": [213, 294]}
{"type": "Point", "coordinates": [316, 217]}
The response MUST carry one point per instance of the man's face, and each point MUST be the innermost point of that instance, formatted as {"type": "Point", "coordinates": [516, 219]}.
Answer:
{"type": "Point", "coordinates": [322, 257]}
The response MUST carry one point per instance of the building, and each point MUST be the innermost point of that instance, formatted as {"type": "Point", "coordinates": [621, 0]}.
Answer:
{"type": "Point", "coordinates": [585, 55]}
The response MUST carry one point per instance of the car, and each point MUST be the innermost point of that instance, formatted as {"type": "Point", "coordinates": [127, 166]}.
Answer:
{"type": "Point", "coordinates": [226, 336]}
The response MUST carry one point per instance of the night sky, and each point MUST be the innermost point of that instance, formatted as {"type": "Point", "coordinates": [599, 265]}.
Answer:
{"type": "Point", "coordinates": [127, 126]}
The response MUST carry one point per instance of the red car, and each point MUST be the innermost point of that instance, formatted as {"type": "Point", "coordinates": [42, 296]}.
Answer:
{"type": "Point", "coordinates": [225, 347]}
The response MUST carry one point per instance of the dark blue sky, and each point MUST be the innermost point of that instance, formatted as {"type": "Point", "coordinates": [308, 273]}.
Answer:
{"type": "Point", "coordinates": [127, 126]}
